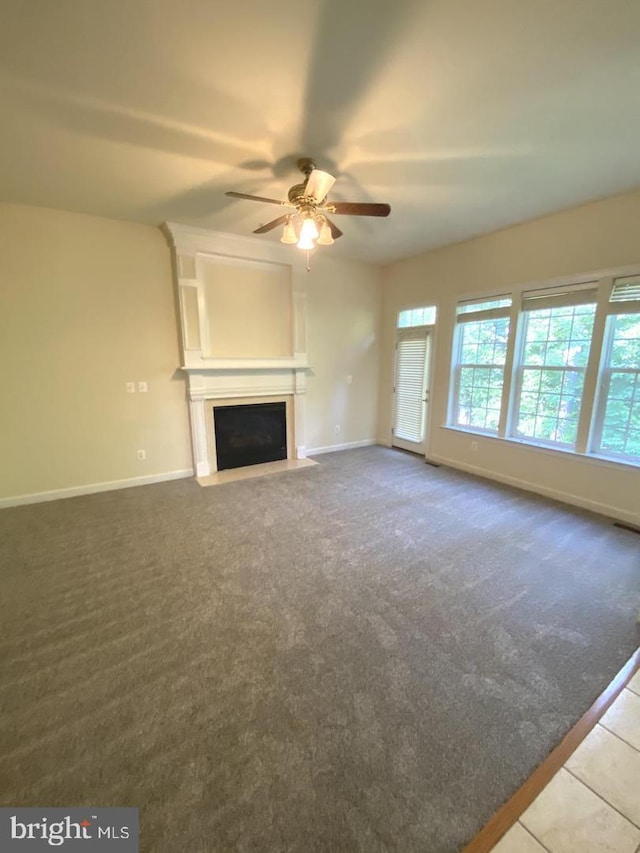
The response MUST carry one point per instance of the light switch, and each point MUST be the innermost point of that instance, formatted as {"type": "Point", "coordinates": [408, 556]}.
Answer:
{"type": "Point", "coordinates": [142, 387]}
{"type": "Point", "coordinates": [131, 387]}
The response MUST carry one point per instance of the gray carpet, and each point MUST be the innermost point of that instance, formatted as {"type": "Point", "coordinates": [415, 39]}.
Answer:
{"type": "Point", "coordinates": [369, 655]}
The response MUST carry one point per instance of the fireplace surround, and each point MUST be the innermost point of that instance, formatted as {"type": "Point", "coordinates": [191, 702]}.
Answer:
{"type": "Point", "coordinates": [211, 406]}
{"type": "Point", "coordinates": [242, 325]}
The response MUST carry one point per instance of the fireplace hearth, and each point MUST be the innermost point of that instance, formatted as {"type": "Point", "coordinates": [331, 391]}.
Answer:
{"type": "Point", "coordinates": [250, 434]}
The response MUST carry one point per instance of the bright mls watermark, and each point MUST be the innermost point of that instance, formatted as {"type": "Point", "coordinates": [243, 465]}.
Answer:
{"type": "Point", "coordinates": [33, 830]}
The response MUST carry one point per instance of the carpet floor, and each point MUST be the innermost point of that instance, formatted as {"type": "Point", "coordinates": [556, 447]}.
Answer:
{"type": "Point", "coordinates": [368, 655]}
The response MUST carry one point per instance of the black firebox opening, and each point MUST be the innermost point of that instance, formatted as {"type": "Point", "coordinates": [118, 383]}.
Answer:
{"type": "Point", "coordinates": [250, 434]}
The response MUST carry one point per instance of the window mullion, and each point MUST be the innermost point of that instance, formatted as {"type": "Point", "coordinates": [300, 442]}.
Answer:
{"type": "Point", "coordinates": [602, 389]}
{"type": "Point", "coordinates": [584, 436]}
{"type": "Point", "coordinates": [513, 369]}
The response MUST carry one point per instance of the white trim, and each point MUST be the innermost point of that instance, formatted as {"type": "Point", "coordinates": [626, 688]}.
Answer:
{"type": "Point", "coordinates": [206, 387]}
{"type": "Point", "coordinates": [194, 362]}
{"type": "Point", "coordinates": [92, 488]}
{"type": "Point", "coordinates": [212, 377]}
{"type": "Point", "coordinates": [330, 448]}
{"type": "Point", "coordinates": [242, 390]}
{"type": "Point", "coordinates": [565, 497]}
{"type": "Point", "coordinates": [192, 240]}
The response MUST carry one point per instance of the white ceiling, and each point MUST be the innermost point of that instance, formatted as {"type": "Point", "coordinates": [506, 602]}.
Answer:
{"type": "Point", "coordinates": [464, 115]}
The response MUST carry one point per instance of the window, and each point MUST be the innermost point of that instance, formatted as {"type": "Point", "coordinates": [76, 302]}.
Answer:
{"type": "Point", "coordinates": [562, 369]}
{"type": "Point", "coordinates": [618, 415]}
{"type": "Point", "coordinates": [482, 335]}
{"type": "Point", "coordinates": [556, 344]}
{"type": "Point", "coordinates": [417, 317]}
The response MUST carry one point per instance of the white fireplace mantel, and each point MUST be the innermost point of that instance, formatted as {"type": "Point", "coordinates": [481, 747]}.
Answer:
{"type": "Point", "coordinates": [212, 272]}
{"type": "Point", "coordinates": [246, 386]}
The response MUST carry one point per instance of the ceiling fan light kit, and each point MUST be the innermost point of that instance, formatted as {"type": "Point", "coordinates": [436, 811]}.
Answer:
{"type": "Point", "coordinates": [309, 224]}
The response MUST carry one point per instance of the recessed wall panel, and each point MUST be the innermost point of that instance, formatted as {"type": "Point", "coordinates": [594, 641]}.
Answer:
{"type": "Point", "coordinates": [191, 326]}
{"type": "Point", "coordinates": [248, 309]}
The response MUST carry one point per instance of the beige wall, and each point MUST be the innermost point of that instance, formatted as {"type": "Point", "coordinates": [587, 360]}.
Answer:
{"type": "Point", "coordinates": [86, 305]}
{"type": "Point", "coordinates": [594, 237]}
{"type": "Point", "coordinates": [343, 332]}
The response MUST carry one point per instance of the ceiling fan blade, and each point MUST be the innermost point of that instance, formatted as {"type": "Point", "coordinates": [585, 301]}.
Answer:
{"type": "Point", "coordinates": [271, 225]}
{"type": "Point", "coordinates": [357, 208]}
{"type": "Point", "coordinates": [319, 184]}
{"type": "Point", "coordinates": [335, 231]}
{"type": "Point", "coordinates": [254, 198]}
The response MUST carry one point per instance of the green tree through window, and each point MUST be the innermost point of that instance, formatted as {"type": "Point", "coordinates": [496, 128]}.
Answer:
{"type": "Point", "coordinates": [561, 392]}
{"type": "Point", "coordinates": [483, 334]}
{"type": "Point", "coordinates": [555, 355]}
{"type": "Point", "coordinates": [620, 432]}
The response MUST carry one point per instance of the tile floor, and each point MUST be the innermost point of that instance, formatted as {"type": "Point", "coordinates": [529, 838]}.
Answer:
{"type": "Point", "coordinates": [592, 805]}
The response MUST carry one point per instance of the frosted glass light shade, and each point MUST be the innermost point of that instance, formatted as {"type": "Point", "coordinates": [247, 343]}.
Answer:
{"type": "Point", "coordinates": [289, 233]}
{"type": "Point", "coordinates": [319, 184]}
{"type": "Point", "coordinates": [326, 237]}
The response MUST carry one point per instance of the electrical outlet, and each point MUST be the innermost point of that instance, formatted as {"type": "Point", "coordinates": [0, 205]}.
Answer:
{"type": "Point", "coordinates": [131, 387]}
{"type": "Point", "coordinates": [338, 428]}
{"type": "Point", "coordinates": [474, 446]}
{"type": "Point", "coordinates": [142, 387]}
{"type": "Point", "coordinates": [349, 380]}
{"type": "Point", "coordinates": [142, 455]}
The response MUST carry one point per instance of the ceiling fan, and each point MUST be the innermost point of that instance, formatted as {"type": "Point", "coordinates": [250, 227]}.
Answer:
{"type": "Point", "coordinates": [308, 224]}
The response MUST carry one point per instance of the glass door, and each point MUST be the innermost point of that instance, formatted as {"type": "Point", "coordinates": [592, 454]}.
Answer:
{"type": "Point", "coordinates": [411, 391]}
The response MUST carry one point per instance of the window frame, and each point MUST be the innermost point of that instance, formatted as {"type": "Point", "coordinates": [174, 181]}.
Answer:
{"type": "Point", "coordinates": [463, 318]}
{"type": "Point", "coordinates": [594, 393]}
{"type": "Point", "coordinates": [612, 310]}
{"type": "Point", "coordinates": [410, 308]}
{"type": "Point", "coordinates": [519, 367]}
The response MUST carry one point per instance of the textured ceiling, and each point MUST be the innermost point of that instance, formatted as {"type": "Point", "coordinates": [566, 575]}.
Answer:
{"type": "Point", "coordinates": [464, 115]}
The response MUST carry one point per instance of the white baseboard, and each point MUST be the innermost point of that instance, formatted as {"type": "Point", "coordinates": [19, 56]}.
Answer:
{"type": "Point", "coordinates": [565, 497]}
{"type": "Point", "coordinates": [330, 448]}
{"type": "Point", "coordinates": [92, 488]}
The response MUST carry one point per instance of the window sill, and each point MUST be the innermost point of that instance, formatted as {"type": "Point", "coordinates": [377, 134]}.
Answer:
{"type": "Point", "coordinates": [531, 446]}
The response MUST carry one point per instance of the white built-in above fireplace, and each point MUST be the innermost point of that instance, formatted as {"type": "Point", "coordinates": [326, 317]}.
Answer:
{"type": "Point", "coordinates": [242, 307]}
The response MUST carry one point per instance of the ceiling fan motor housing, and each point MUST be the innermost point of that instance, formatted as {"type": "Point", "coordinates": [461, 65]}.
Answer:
{"type": "Point", "coordinates": [297, 192]}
